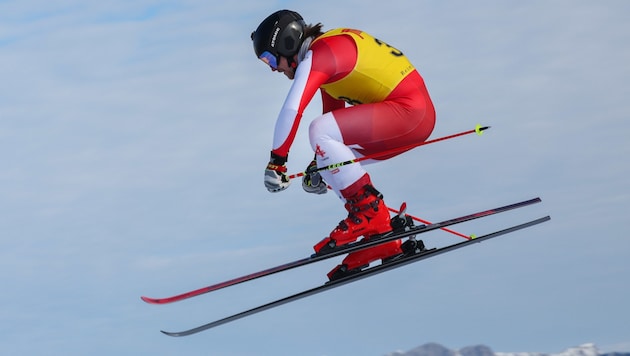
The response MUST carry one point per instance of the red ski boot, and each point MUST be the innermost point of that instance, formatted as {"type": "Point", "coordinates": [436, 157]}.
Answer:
{"type": "Point", "coordinates": [367, 216]}
{"type": "Point", "coordinates": [387, 252]}
{"type": "Point", "coordinates": [356, 261]}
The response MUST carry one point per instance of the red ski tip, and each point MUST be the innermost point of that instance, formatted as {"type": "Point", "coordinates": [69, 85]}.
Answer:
{"type": "Point", "coordinates": [151, 300]}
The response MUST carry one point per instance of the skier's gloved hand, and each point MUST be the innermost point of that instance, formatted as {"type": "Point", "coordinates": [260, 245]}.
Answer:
{"type": "Point", "coordinates": [276, 179]}
{"type": "Point", "coordinates": [312, 182]}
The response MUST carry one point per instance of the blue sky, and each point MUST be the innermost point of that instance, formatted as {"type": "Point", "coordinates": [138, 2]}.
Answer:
{"type": "Point", "coordinates": [133, 138]}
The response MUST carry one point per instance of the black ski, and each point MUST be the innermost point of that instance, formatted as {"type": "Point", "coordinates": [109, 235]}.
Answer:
{"type": "Point", "coordinates": [352, 247]}
{"type": "Point", "coordinates": [358, 276]}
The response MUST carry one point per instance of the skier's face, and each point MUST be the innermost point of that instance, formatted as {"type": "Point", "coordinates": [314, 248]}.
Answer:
{"type": "Point", "coordinates": [283, 67]}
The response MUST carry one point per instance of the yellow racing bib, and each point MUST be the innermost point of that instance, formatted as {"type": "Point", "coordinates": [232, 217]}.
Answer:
{"type": "Point", "coordinates": [378, 70]}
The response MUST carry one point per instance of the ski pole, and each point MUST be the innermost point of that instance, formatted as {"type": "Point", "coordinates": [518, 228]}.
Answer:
{"type": "Point", "coordinates": [478, 129]}
{"type": "Point", "coordinates": [429, 223]}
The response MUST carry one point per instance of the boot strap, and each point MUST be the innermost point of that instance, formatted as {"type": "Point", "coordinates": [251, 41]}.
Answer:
{"type": "Point", "coordinates": [368, 190]}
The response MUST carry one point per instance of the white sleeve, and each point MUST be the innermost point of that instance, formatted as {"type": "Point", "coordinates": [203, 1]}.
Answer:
{"type": "Point", "coordinates": [293, 107]}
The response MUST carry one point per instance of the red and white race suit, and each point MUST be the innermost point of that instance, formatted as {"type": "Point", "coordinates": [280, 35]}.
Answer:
{"type": "Point", "coordinates": [373, 100]}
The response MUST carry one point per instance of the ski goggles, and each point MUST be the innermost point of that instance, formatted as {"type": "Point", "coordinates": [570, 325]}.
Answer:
{"type": "Point", "coordinates": [270, 59]}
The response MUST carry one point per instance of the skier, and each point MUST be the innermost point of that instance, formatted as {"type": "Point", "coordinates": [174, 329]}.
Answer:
{"type": "Point", "coordinates": [388, 108]}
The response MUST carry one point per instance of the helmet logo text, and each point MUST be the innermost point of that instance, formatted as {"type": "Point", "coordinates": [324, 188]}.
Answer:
{"type": "Point", "coordinates": [275, 35]}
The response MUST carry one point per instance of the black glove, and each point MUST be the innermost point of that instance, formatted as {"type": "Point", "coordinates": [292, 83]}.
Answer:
{"type": "Point", "coordinates": [312, 181]}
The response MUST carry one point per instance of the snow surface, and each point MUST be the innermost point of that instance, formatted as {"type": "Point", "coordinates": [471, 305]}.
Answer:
{"type": "Point", "coordinates": [433, 349]}
{"type": "Point", "coordinates": [588, 349]}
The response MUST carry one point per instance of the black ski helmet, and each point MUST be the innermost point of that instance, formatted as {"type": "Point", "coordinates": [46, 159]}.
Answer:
{"type": "Point", "coordinates": [280, 34]}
